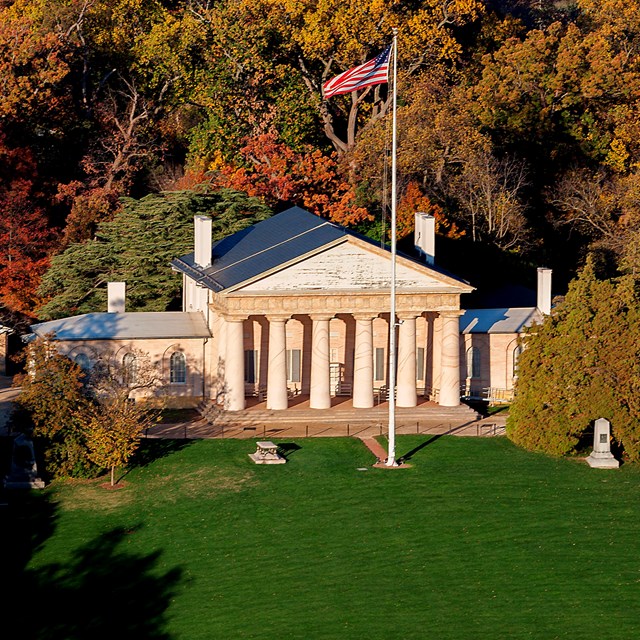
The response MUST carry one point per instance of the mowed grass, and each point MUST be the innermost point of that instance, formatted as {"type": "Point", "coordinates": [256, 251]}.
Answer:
{"type": "Point", "coordinates": [477, 539]}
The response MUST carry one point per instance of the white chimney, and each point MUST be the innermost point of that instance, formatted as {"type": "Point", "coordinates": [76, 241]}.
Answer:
{"type": "Point", "coordinates": [116, 297]}
{"type": "Point", "coordinates": [202, 241]}
{"type": "Point", "coordinates": [425, 236]}
{"type": "Point", "coordinates": [544, 290]}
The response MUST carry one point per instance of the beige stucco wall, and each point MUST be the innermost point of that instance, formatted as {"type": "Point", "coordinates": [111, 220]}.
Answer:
{"type": "Point", "coordinates": [198, 378]}
{"type": "Point", "coordinates": [496, 352]}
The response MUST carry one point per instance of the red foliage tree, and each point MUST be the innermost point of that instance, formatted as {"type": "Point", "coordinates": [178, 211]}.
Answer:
{"type": "Point", "coordinates": [25, 237]}
{"type": "Point", "coordinates": [278, 174]}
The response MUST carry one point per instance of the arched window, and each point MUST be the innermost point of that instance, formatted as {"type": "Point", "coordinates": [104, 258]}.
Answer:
{"type": "Point", "coordinates": [516, 354]}
{"type": "Point", "coordinates": [83, 361]}
{"type": "Point", "coordinates": [130, 368]}
{"type": "Point", "coordinates": [473, 362]}
{"type": "Point", "coordinates": [178, 368]}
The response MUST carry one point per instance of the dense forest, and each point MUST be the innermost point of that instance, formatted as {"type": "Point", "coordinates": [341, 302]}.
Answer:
{"type": "Point", "coordinates": [518, 124]}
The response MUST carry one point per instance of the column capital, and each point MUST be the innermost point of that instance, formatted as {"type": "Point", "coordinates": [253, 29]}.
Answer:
{"type": "Point", "coordinates": [322, 316]}
{"type": "Point", "coordinates": [364, 316]}
{"type": "Point", "coordinates": [277, 317]}
{"type": "Point", "coordinates": [408, 315]}
{"type": "Point", "coordinates": [451, 313]}
{"type": "Point", "coordinates": [235, 318]}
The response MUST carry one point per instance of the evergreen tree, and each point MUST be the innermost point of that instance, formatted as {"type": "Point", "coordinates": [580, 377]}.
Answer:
{"type": "Point", "coordinates": [137, 246]}
{"type": "Point", "coordinates": [581, 364]}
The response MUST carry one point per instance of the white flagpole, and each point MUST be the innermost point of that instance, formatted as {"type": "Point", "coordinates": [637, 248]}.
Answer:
{"type": "Point", "coordinates": [391, 458]}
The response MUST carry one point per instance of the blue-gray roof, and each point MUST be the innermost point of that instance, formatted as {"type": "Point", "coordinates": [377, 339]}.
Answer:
{"type": "Point", "coordinates": [269, 244]}
{"type": "Point", "coordinates": [505, 320]}
{"type": "Point", "coordinates": [261, 247]}
{"type": "Point", "coordinates": [125, 326]}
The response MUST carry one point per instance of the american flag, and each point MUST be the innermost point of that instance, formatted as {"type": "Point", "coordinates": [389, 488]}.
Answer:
{"type": "Point", "coordinates": [372, 72]}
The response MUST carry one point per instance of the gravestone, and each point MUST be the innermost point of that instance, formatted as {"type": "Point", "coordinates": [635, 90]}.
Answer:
{"type": "Point", "coordinates": [24, 472]}
{"type": "Point", "coordinates": [601, 456]}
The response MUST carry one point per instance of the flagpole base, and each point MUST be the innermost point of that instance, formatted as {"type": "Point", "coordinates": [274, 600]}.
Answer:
{"type": "Point", "coordinates": [384, 464]}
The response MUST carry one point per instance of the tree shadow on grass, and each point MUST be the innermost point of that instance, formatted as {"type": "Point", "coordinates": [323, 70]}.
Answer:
{"type": "Point", "coordinates": [407, 456]}
{"type": "Point", "coordinates": [103, 592]}
{"type": "Point", "coordinates": [153, 449]}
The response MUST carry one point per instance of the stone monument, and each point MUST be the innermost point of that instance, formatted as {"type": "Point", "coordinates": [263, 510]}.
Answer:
{"type": "Point", "coordinates": [267, 453]}
{"type": "Point", "coordinates": [601, 456]}
{"type": "Point", "coordinates": [24, 472]}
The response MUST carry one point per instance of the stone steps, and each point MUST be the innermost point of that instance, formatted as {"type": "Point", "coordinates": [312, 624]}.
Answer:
{"type": "Point", "coordinates": [432, 413]}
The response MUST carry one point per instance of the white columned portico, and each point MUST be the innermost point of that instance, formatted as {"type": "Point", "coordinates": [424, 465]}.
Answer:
{"type": "Point", "coordinates": [406, 383]}
{"type": "Point", "coordinates": [234, 365]}
{"type": "Point", "coordinates": [277, 394]}
{"type": "Point", "coordinates": [363, 363]}
{"type": "Point", "coordinates": [320, 389]}
{"type": "Point", "coordinates": [450, 363]}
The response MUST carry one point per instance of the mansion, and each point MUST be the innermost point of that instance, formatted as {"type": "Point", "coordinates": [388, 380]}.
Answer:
{"type": "Point", "coordinates": [297, 305]}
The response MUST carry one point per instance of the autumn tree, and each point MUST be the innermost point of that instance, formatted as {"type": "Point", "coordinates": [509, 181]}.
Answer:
{"type": "Point", "coordinates": [34, 67]}
{"type": "Point", "coordinates": [579, 365]}
{"type": "Point", "coordinates": [415, 200]}
{"type": "Point", "coordinates": [280, 176]}
{"type": "Point", "coordinates": [53, 392]}
{"type": "Point", "coordinates": [25, 236]}
{"type": "Point", "coordinates": [489, 192]}
{"type": "Point", "coordinates": [82, 417]}
{"type": "Point", "coordinates": [121, 411]}
{"type": "Point", "coordinates": [268, 61]}
{"type": "Point", "coordinates": [476, 188]}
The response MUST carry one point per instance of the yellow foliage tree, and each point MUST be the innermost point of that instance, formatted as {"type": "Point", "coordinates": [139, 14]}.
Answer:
{"type": "Point", "coordinates": [119, 417]}
{"type": "Point", "coordinates": [312, 41]}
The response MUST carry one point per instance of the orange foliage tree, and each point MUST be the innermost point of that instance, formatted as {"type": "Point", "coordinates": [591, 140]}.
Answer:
{"type": "Point", "coordinates": [415, 200]}
{"type": "Point", "coordinates": [278, 174]}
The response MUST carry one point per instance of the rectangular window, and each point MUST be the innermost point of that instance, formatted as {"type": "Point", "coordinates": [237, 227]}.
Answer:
{"type": "Point", "coordinates": [420, 363]}
{"type": "Point", "coordinates": [378, 373]}
{"type": "Point", "coordinates": [294, 357]}
{"type": "Point", "coordinates": [250, 366]}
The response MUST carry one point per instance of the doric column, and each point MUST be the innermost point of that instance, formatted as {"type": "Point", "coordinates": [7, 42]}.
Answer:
{"type": "Point", "coordinates": [320, 391]}
{"type": "Point", "coordinates": [234, 365]}
{"type": "Point", "coordinates": [277, 395]}
{"type": "Point", "coordinates": [406, 383]}
{"type": "Point", "coordinates": [218, 374]}
{"type": "Point", "coordinates": [450, 362]}
{"type": "Point", "coordinates": [363, 363]}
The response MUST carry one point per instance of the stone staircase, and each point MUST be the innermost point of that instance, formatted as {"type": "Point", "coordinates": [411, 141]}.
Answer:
{"type": "Point", "coordinates": [427, 413]}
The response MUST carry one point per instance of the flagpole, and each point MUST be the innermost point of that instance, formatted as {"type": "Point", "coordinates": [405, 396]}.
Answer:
{"type": "Point", "coordinates": [391, 457]}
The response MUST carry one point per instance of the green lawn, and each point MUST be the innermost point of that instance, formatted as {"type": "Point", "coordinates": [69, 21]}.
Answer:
{"type": "Point", "coordinates": [477, 539]}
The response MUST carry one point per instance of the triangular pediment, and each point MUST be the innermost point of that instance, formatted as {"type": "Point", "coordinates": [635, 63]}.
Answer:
{"type": "Point", "coordinates": [351, 265]}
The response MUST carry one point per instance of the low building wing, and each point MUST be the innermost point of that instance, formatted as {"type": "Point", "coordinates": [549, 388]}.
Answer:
{"type": "Point", "coordinates": [125, 326]}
